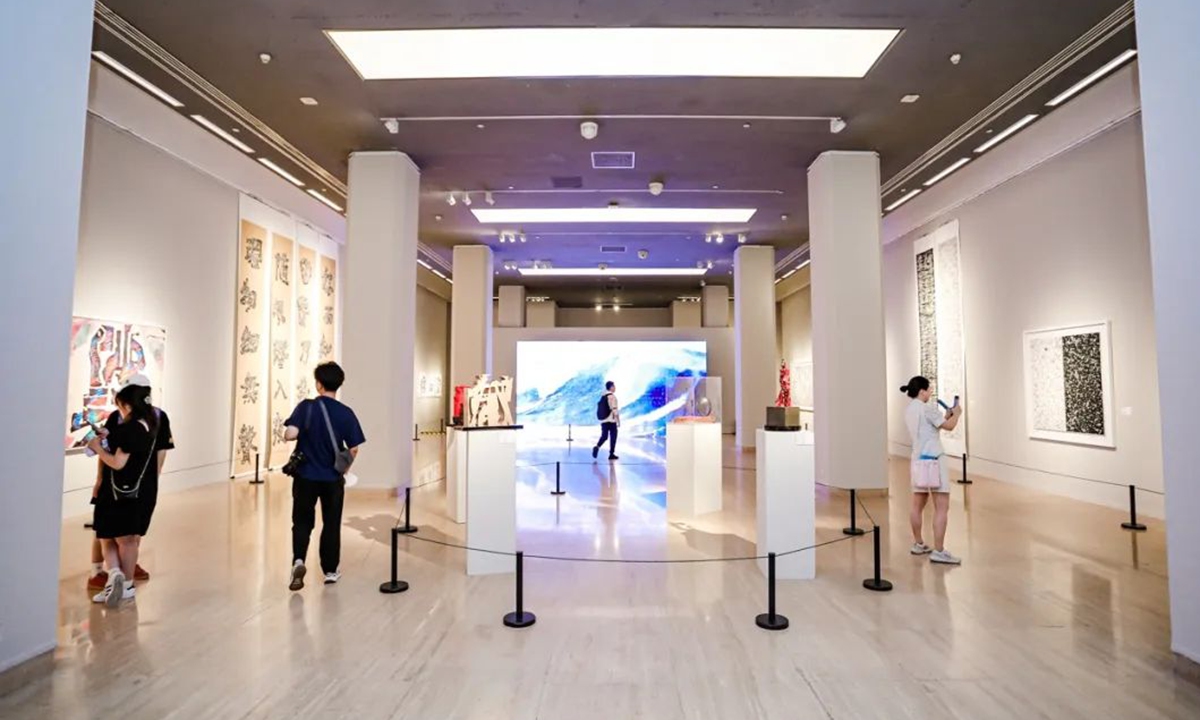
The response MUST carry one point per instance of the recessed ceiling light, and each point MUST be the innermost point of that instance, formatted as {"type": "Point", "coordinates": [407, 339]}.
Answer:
{"type": "Point", "coordinates": [1078, 87]}
{"type": "Point", "coordinates": [746, 126]}
{"type": "Point", "coordinates": [784, 217]}
{"type": "Point", "coordinates": [599, 307]}
{"type": "Point", "coordinates": [437, 218]}
{"type": "Point", "coordinates": [936, 178]}
{"type": "Point", "coordinates": [510, 187]}
{"type": "Point", "coordinates": [903, 199]}
{"type": "Point", "coordinates": [282, 173]}
{"type": "Point", "coordinates": [236, 129]}
{"type": "Point", "coordinates": [1002, 136]}
{"type": "Point", "coordinates": [588, 52]}
{"type": "Point", "coordinates": [145, 84]}
{"type": "Point", "coordinates": [215, 130]}
{"type": "Point", "coordinates": [910, 99]}
{"type": "Point", "coordinates": [324, 199]}
{"type": "Point", "coordinates": [716, 187]}
{"type": "Point", "coordinates": [612, 272]}
{"type": "Point", "coordinates": [480, 125]}
{"type": "Point", "coordinates": [612, 214]}
{"type": "Point", "coordinates": [956, 58]}
{"type": "Point", "coordinates": [308, 101]}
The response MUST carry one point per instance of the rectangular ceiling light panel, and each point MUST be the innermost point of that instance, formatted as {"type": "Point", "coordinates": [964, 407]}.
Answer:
{"type": "Point", "coordinates": [1090, 79]}
{"type": "Point", "coordinates": [133, 77]}
{"type": "Point", "coordinates": [612, 52]}
{"type": "Point", "coordinates": [529, 216]}
{"type": "Point", "coordinates": [612, 272]}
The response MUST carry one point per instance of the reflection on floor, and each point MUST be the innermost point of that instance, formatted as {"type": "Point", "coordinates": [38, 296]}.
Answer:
{"type": "Point", "coordinates": [1056, 613]}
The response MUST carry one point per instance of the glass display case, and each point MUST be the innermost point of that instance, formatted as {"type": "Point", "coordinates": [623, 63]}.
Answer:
{"type": "Point", "coordinates": [696, 399]}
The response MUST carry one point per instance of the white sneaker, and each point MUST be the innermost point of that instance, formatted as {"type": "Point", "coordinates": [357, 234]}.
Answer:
{"type": "Point", "coordinates": [297, 575]}
{"type": "Point", "coordinates": [113, 592]}
{"type": "Point", "coordinates": [942, 556]}
{"type": "Point", "coordinates": [332, 577]}
{"type": "Point", "coordinates": [129, 593]}
{"type": "Point", "coordinates": [920, 549]}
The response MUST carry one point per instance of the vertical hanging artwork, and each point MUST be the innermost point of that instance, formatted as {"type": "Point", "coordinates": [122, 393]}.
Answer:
{"type": "Point", "coordinates": [940, 323]}
{"type": "Point", "coordinates": [308, 332]}
{"type": "Point", "coordinates": [250, 345]}
{"type": "Point", "coordinates": [1068, 385]}
{"type": "Point", "coordinates": [327, 292]}
{"type": "Point", "coordinates": [281, 381]}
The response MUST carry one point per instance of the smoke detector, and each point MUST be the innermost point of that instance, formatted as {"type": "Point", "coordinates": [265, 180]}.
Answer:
{"type": "Point", "coordinates": [656, 188]}
{"type": "Point", "coordinates": [589, 130]}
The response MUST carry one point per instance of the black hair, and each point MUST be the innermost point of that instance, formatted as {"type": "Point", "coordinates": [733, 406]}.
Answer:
{"type": "Point", "coordinates": [609, 385]}
{"type": "Point", "coordinates": [137, 397]}
{"type": "Point", "coordinates": [330, 375]}
{"type": "Point", "coordinates": [915, 386]}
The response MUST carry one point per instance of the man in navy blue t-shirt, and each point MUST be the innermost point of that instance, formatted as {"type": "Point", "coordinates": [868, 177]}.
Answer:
{"type": "Point", "coordinates": [311, 425]}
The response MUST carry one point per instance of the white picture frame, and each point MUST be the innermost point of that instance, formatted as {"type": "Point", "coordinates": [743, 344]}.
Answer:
{"type": "Point", "coordinates": [1041, 387]}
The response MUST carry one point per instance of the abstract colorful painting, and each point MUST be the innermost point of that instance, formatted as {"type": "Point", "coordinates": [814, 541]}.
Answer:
{"type": "Point", "coordinates": [104, 353]}
{"type": "Point", "coordinates": [1068, 385]}
{"type": "Point", "coordinates": [940, 338]}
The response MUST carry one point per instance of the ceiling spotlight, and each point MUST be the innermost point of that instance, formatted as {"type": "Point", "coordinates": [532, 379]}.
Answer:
{"type": "Point", "coordinates": [910, 99]}
{"type": "Point", "coordinates": [392, 125]}
{"type": "Point", "coordinates": [643, 254]}
{"type": "Point", "coordinates": [956, 58]}
{"type": "Point", "coordinates": [480, 125]}
{"type": "Point", "coordinates": [836, 125]}
{"type": "Point", "coordinates": [720, 238]}
{"type": "Point", "coordinates": [709, 264]}
{"type": "Point", "coordinates": [708, 238]}
{"type": "Point", "coordinates": [784, 217]}
{"type": "Point", "coordinates": [450, 199]}
{"type": "Point", "coordinates": [522, 237]}
{"type": "Point", "coordinates": [746, 126]}
{"type": "Point", "coordinates": [308, 101]}
{"type": "Point", "coordinates": [741, 238]}
{"type": "Point", "coordinates": [589, 130]}
{"type": "Point", "coordinates": [467, 199]}
{"type": "Point", "coordinates": [616, 307]}
{"type": "Point", "coordinates": [487, 198]}
{"type": "Point", "coordinates": [599, 307]}
{"type": "Point", "coordinates": [716, 187]}
{"type": "Point", "coordinates": [264, 58]}
{"type": "Point", "coordinates": [510, 187]}
{"type": "Point", "coordinates": [437, 217]}
{"type": "Point", "coordinates": [656, 188]}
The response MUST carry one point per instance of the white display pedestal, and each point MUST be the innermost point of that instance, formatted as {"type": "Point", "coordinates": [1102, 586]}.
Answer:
{"type": "Point", "coordinates": [487, 465]}
{"type": "Point", "coordinates": [693, 468]}
{"type": "Point", "coordinates": [456, 486]}
{"type": "Point", "coordinates": [786, 502]}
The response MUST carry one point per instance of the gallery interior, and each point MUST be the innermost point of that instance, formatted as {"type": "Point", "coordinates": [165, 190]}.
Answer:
{"type": "Point", "coordinates": [756, 221]}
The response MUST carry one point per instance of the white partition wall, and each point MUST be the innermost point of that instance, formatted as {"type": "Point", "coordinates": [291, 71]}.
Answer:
{"type": "Point", "coordinates": [849, 366]}
{"type": "Point", "coordinates": [379, 316]}
{"type": "Point", "coordinates": [714, 306]}
{"type": "Point", "coordinates": [470, 316]}
{"type": "Point", "coordinates": [512, 306]}
{"type": "Point", "coordinates": [1170, 85]}
{"type": "Point", "coordinates": [755, 364]}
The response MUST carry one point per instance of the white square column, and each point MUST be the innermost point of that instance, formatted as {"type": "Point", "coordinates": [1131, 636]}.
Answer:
{"type": "Point", "coordinates": [754, 359]}
{"type": "Point", "coordinates": [849, 364]}
{"type": "Point", "coordinates": [470, 316]}
{"type": "Point", "coordinates": [1168, 58]}
{"type": "Point", "coordinates": [693, 469]}
{"type": "Point", "coordinates": [714, 306]}
{"type": "Point", "coordinates": [379, 321]}
{"type": "Point", "coordinates": [512, 306]}
{"type": "Point", "coordinates": [786, 502]}
{"type": "Point", "coordinates": [44, 48]}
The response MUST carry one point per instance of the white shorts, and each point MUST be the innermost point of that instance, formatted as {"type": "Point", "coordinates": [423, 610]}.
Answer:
{"type": "Point", "coordinates": [944, 466]}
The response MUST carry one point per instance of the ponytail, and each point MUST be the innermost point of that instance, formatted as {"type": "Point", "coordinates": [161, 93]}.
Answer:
{"type": "Point", "coordinates": [915, 386]}
{"type": "Point", "coordinates": [137, 397]}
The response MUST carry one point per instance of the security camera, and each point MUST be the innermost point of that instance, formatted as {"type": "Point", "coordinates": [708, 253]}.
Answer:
{"type": "Point", "coordinates": [656, 188]}
{"type": "Point", "coordinates": [643, 254]}
{"type": "Point", "coordinates": [589, 130]}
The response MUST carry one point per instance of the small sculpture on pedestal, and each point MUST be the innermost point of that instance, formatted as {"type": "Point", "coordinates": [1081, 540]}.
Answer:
{"type": "Point", "coordinates": [784, 399]}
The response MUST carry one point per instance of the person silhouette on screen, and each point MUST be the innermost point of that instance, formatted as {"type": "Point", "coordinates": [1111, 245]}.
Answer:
{"type": "Point", "coordinates": [609, 421]}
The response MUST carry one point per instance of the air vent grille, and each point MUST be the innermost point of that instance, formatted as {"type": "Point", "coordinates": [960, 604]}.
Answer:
{"type": "Point", "coordinates": [567, 183]}
{"type": "Point", "coordinates": [613, 160]}
{"type": "Point", "coordinates": [613, 249]}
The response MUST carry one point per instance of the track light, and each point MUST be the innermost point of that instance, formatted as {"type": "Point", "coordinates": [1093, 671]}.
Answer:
{"type": "Point", "coordinates": [836, 125]}
{"type": "Point", "coordinates": [467, 199]}
{"type": "Point", "coordinates": [708, 238]}
{"type": "Point", "coordinates": [741, 238]}
{"type": "Point", "coordinates": [392, 125]}
{"type": "Point", "coordinates": [487, 198]}
{"type": "Point", "coordinates": [720, 238]}
{"type": "Point", "coordinates": [522, 236]}
{"type": "Point", "coordinates": [450, 199]}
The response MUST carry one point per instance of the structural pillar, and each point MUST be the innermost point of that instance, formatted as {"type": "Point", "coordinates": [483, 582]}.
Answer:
{"type": "Point", "coordinates": [849, 364]}
{"type": "Point", "coordinates": [1168, 58]}
{"type": "Point", "coordinates": [512, 306]}
{"type": "Point", "coordinates": [471, 315]}
{"type": "Point", "coordinates": [714, 304]}
{"type": "Point", "coordinates": [379, 321]}
{"type": "Point", "coordinates": [42, 123]}
{"type": "Point", "coordinates": [754, 338]}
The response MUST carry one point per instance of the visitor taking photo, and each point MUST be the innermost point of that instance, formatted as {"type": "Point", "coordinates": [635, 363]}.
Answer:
{"type": "Point", "coordinates": [929, 470]}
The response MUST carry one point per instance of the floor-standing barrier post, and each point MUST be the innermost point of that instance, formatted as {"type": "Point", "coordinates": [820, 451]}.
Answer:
{"type": "Point", "coordinates": [416, 433]}
{"type": "Point", "coordinates": [854, 529]}
{"type": "Point", "coordinates": [520, 618]}
{"type": "Point", "coordinates": [964, 480]}
{"type": "Point", "coordinates": [395, 585]}
{"type": "Point", "coordinates": [408, 526]}
{"type": "Point", "coordinates": [257, 479]}
{"type": "Point", "coordinates": [569, 438]}
{"type": "Point", "coordinates": [558, 480]}
{"type": "Point", "coordinates": [877, 583]}
{"type": "Point", "coordinates": [1133, 523]}
{"type": "Point", "coordinates": [771, 620]}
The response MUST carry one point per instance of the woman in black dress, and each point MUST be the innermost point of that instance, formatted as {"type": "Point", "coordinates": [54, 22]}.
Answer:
{"type": "Point", "coordinates": [125, 500]}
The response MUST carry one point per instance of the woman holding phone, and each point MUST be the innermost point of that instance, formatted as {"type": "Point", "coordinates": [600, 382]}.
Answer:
{"type": "Point", "coordinates": [930, 471]}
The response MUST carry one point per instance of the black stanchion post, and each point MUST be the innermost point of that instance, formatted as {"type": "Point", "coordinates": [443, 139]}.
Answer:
{"type": "Point", "coordinates": [558, 480]}
{"type": "Point", "coordinates": [408, 526]}
{"type": "Point", "coordinates": [877, 583]}
{"type": "Point", "coordinates": [416, 433]}
{"type": "Point", "coordinates": [1133, 523]}
{"type": "Point", "coordinates": [395, 585]}
{"type": "Point", "coordinates": [520, 618]}
{"type": "Point", "coordinates": [771, 620]}
{"type": "Point", "coordinates": [569, 438]}
{"type": "Point", "coordinates": [964, 480]}
{"type": "Point", "coordinates": [257, 479]}
{"type": "Point", "coordinates": [854, 529]}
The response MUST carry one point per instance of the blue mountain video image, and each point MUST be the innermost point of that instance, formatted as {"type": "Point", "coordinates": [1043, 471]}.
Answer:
{"type": "Point", "coordinates": [559, 383]}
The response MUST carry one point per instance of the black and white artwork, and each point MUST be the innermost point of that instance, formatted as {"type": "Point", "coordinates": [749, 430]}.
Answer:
{"type": "Point", "coordinates": [1068, 385]}
{"type": "Point", "coordinates": [940, 339]}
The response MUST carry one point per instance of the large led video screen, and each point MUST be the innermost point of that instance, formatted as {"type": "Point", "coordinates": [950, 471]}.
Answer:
{"type": "Point", "coordinates": [560, 383]}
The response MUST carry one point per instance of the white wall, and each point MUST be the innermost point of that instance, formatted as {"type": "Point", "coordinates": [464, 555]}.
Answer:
{"type": "Point", "coordinates": [623, 318]}
{"type": "Point", "coordinates": [720, 351]}
{"type": "Point", "coordinates": [1065, 243]}
{"type": "Point", "coordinates": [795, 312]}
{"type": "Point", "coordinates": [432, 355]}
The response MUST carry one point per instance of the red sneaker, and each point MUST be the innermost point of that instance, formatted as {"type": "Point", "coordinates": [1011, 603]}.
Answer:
{"type": "Point", "coordinates": [140, 574]}
{"type": "Point", "coordinates": [97, 581]}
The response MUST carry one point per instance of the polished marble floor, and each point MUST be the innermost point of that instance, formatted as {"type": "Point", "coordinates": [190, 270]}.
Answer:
{"type": "Point", "coordinates": [1056, 613]}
